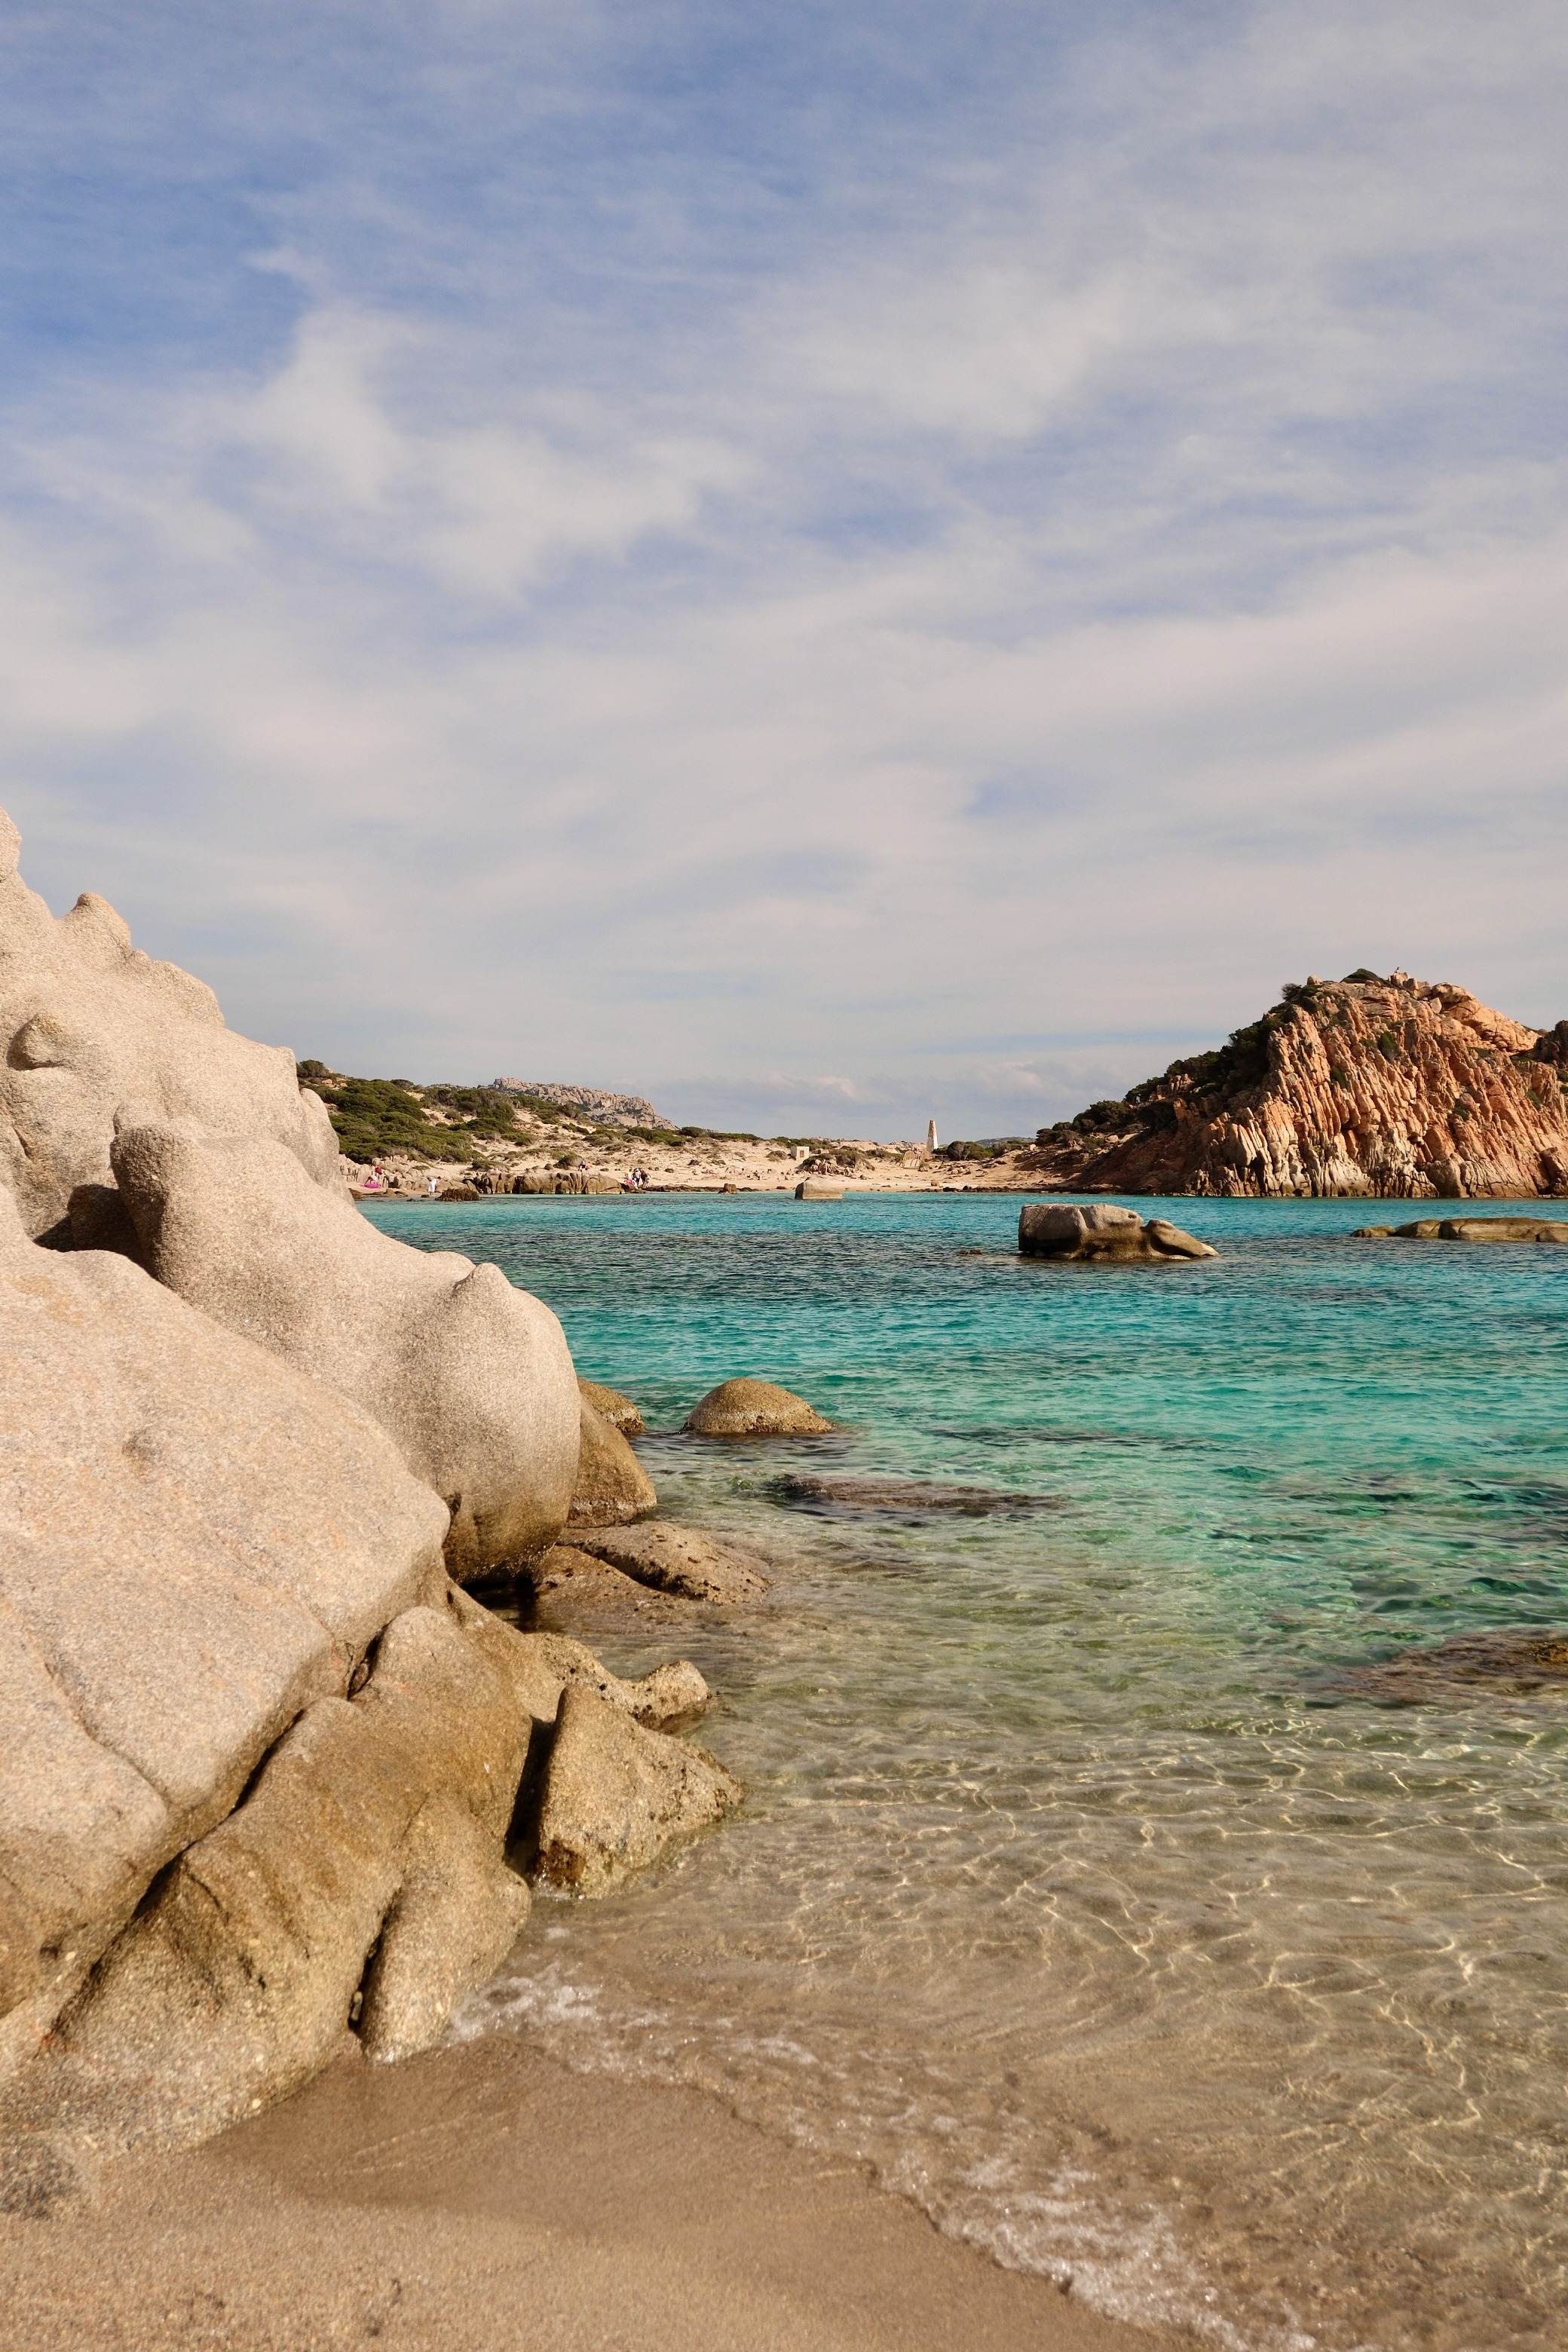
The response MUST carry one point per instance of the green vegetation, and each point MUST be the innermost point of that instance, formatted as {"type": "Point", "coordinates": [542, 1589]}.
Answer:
{"type": "Point", "coordinates": [376, 1117]}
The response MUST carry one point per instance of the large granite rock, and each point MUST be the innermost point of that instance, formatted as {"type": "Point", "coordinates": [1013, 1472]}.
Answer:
{"type": "Point", "coordinates": [470, 1378]}
{"type": "Point", "coordinates": [195, 1542]}
{"type": "Point", "coordinates": [1103, 1231]}
{"type": "Point", "coordinates": [91, 1024]}
{"type": "Point", "coordinates": [612, 1488]}
{"type": "Point", "coordinates": [374, 1833]}
{"type": "Point", "coordinates": [754, 1409]}
{"type": "Point", "coordinates": [677, 1559]}
{"type": "Point", "coordinates": [616, 1795]}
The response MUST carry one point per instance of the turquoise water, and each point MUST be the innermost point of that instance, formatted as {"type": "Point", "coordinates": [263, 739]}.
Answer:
{"type": "Point", "coordinates": [1081, 1893]}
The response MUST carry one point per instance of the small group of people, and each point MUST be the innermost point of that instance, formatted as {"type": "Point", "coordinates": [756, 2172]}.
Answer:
{"type": "Point", "coordinates": [638, 1181]}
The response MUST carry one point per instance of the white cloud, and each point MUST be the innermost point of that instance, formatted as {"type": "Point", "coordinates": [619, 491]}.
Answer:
{"type": "Point", "coordinates": [1059, 605]}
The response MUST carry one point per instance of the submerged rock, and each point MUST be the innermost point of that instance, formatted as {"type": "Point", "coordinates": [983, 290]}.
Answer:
{"type": "Point", "coordinates": [1102, 1230]}
{"type": "Point", "coordinates": [612, 1487]}
{"type": "Point", "coordinates": [679, 1559]}
{"type": "Point", "coordinates": [754, 1409]}
{"type": "Point", "coordinates": [472, 1379]}
{"type": "Point", "coordinates": [612, 1406]}
{"type": "Point", "coordinates": [1505, 1662]}
{"type": "Point", "coordinates": [913, 1496]}
{"type": "Point", "coordinates": [616, 1795]}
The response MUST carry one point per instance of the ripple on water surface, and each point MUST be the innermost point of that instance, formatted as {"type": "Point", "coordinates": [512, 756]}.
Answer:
{"type": "Point", "coordinates": [1098, 1886]}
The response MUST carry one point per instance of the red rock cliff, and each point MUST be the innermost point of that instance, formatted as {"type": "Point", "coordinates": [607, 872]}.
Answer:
{"type": "Point", "coordinates": [1394, 1086]}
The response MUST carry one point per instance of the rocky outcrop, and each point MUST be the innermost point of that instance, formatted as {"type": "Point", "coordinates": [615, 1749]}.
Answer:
{"type": "Point", "coordinates": [472, 1379]}
{"type": "Point", "coordinates": [1470, 1229]}
{"type": "Point", "coordinates": [92, 1026]}
{"type": "Point", "coordinates": [815, 1188]}
{"type": "Point", "coordinates": [269, 1774]}
{"type": "Point", "coordinates": [612, 1406]}
{"type": "Point", "coordinates": [681, 1560]}
{"type": "Point", "coordinates": [1102, 1232]}
{"type": "Point", "coordinates": [615, 1796]}
{"type": "Point", "coordinates": [613, 1488]}
{"type": "Point", "coordinates": [593, 1102]}
{"type": "Point", "coordinates": [197, 1543]}
{"type": "Point", "coordinates": [754, 1409]}
{"type": "Point", "coordinates": [1364, 1085]}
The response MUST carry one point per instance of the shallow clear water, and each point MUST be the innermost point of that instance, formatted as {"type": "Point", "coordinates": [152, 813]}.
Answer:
{"type": "Point", "coordinates": [1075, 1893]}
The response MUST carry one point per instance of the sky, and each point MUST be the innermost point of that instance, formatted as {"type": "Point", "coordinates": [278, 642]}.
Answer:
{"type": "Point", "coordinates": [827, 564]}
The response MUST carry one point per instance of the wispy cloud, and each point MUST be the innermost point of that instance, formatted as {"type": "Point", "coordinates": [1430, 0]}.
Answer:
{"type": "Point", "coordinates": [697, 565]}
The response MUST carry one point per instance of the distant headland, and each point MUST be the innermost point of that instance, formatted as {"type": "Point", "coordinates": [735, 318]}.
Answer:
{"type": "Point", "coordinates": [1378, 1086]}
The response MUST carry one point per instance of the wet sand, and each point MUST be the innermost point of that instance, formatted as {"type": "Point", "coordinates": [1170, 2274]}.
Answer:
{"type": "Point", "coordinates": [483, 2197]}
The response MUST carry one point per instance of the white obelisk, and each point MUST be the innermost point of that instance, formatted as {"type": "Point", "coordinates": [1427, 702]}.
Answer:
{"type": "Point", "coordinates": [930, 1137]}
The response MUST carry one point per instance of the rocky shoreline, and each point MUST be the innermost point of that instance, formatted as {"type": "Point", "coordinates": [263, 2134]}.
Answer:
{"type": "Point", "coordinates": [279, 1783]}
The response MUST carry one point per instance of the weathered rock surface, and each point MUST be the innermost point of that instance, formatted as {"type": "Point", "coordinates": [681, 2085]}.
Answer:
{"type": "Point", "coordinates": [754, 1409]}
{"type": "Point", "coordinates": [91, 1024]}
{"type": "Point", "coordinates": [1364, 1085]}
{"type": "Point", "coordinates": [571, 1592]}
{"type": "Point", "coordinates": [616, 1795]}
{"type": "Point", "coordinates": [1103, 1231]}
{"type": "Point", "coordinates": [375, 1826]}
{"type": "Point", "coordinates": [677, 1560]}
{"type": "Point", "coordinates": [195, 1542]}
{"type": "Point", "coordinates": [472, 1379]}
{"type": "Point", "coordinates": [812, 1188]}
{"type": "Point", "coordinates": [543, 1666]}
{"type": "Point", "coordinates": [612, 1406]}
{"type": "Point", "coordinates": [1470, 1229]}
{"type": "Point", "coordinates": [612, 1487]}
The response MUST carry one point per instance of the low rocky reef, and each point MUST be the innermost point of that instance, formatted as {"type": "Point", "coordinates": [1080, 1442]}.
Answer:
{"type": "Point", "coordinates": [1469, 1229]}
{"type": "Point", "coordinates": [1102, 1232]}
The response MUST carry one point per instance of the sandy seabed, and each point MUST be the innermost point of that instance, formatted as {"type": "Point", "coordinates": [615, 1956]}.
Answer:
{"type": "Point", "coordinates": [484, 2196]}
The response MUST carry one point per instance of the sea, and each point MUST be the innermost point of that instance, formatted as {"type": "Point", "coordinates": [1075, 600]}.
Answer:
{"type": "Point", "coordinates": [1156, 1868]}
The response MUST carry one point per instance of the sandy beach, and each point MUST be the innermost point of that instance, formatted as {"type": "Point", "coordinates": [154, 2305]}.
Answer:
{"type": "Point", "coordinates": [484, 2197]}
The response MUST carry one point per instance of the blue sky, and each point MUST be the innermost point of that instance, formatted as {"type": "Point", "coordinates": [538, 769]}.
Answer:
{"type": "Point", "coordinates": [827, 564]}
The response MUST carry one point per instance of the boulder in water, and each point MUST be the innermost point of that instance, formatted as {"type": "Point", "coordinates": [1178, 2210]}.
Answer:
{"type": "Point", "coordinates": [612, 1406]}
{"type": "Point", "coordinates": [754, 1409]}
{"type": "Point", "coordinates": [1471, 1229]}
{"type": "Point", "coordinates": [616, 1795]}
{"type": "Point", "coordinates": [1101, 1230]}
